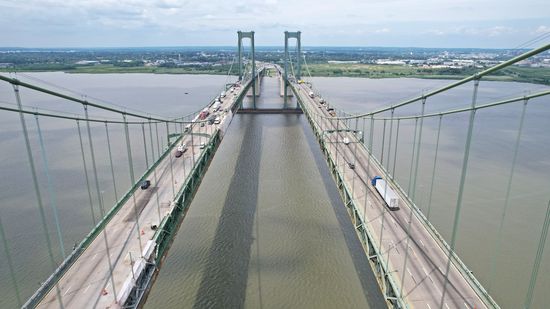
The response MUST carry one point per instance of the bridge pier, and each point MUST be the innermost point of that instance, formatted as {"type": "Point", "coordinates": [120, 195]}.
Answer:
{"type": "Point", "coordinates": [282, 85]}
{"type": "Point", "coordinates": [257, 87]}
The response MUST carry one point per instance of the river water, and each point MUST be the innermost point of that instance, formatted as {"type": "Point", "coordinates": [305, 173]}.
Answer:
{"type": "Point", "coordinates": [267, 227]}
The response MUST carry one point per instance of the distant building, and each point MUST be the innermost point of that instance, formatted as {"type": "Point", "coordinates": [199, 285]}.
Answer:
{"type": "Point", "coordinates": [87, 62]}
{"type": "Point", "coordinates": [342, 62]}
{"type": "Point", "coordinates": [392, 62]}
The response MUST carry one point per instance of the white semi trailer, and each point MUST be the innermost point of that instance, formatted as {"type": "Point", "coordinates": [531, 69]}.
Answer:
{"type": "Point", "coordinates": [386, 192]}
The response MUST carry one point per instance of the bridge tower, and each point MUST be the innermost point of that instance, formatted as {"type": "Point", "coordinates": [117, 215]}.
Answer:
{"type": "Point", "coordinates": [298, 73]}
{"type": "Point", "coordinates": [250, 35]}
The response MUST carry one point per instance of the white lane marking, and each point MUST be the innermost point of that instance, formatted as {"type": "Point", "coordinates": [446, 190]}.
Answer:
{"type": "Point", "coordinates": [67, 291]}
{"type": "Point", "coordinates": [413, 252]}
{"type": "Point", "coordinates": [428, 306]}
{"type": "Point", "coordinates": [94, 257]}
{"type": "Point", "coordinates": [423, 245]}
{"type": "Point", "coordinates": [409, 271]}
{"type": "Point", "coordinates": [424, 270]}
{"type": "Point", "coordinates": [447, 306]}
{"type": "Point", "coordinates": [87, 288]}
{"type": "Point", "coordinates": [466, 306]}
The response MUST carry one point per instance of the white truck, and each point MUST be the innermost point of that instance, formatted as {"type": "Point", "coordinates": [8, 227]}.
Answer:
{"type": "Point", "coordinates": [386, 192]}
{"type": "Point", "coordinates": [216, 106]}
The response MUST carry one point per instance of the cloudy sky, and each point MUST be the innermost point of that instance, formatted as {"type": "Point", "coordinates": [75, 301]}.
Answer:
{"type": "Point", "coordinates": [420, 23]}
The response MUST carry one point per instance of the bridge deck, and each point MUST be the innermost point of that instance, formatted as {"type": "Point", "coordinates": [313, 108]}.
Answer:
{"type": "Point", "coordinates": [87, 283]}
{"type": "Point", "coordinates": [427, 260]}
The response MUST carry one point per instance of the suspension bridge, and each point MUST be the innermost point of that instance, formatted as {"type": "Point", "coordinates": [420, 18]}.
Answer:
{"type": "Point", "coordinates": [115, 265]}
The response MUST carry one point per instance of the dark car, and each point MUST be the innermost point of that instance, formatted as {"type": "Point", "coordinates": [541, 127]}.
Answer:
{"type": "Point", "coordinates": [211, 119]}
{"type": "Point", "coordinates": [145, 184]}
{"type": "Point", "coordinates": [351, 165]}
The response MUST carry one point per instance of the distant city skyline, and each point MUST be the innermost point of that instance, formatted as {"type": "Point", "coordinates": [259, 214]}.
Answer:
{"type": "Point", "coordinates": [392, 23]}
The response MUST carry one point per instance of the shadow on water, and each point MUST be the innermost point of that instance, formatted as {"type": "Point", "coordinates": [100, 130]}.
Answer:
{"type": "Point", "coordinates": [224, 280]}
{"type": "Point", "coordinates": [371, 290]}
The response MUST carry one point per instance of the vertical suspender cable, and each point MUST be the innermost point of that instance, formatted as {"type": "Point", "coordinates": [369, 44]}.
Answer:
{"type": "Point", "coordinates": [86, 172]}
{"type": "Point", "coordinates": [170, 156]}
{"type": "Point", "coordinates": [154, 158]}
{"type": "Point", "coordinates": [395, 150]}
{"type": "Point", "coordinates": [363, 132]}
{"type": "Point", "coordinates": [507, 196]}
{"type": "Point", "coordinates": [132, 179]}
{"type": "Point", "coordinates": [383, 142]}
{"type": "Point", "coordinates": [354, 160]}
{"type": "Point", "coordinates": [384, 209]}
{"type": "Point", "coordinates": [145, 146]}
{"type": "Point", "coordinates": [434, 168]}
{"type": "Point", "coordinates": [158, 139]}
{"type": "Point", "coordinates": [412, 156]}
{"type": "Point", "coordinates": [154, 169]}
{"type": "Point", "coordinates": [111, 161]}
{"type": "Point", "coordinates": [191, 129]}
{"type": "Point", "coordinates": [412, 194]}
{"type": "Point", "coordinates": [458, 208]}
{"type": "Point", "coordinates": [99, 198]}
{"type": "Point", "coordinates": [337, 142]}
{"type": "Point", "coordinates": [418, 147]}
{"type": "Point", "coordinates": [371, 136]}
{"type": "Point", "coordinates": [389, 143]}
{"type": "Point", "coordinates": [92, 153]}
{"type": "Point", "coordinates": [37, 188]}
{"type": "Point", "coordinates": [51, 191]}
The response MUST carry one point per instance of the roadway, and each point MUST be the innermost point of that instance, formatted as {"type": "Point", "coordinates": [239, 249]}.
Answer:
{"type": "Point", "coordinates": [87, 283]}
{"type": "Point", "coordinates": [424, 273]}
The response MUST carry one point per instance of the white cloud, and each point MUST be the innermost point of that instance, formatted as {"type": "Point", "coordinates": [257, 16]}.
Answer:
{"type": "Point", "coordinates": [542, 29]}
{"type": "Point", "coordinates": [183, 20]}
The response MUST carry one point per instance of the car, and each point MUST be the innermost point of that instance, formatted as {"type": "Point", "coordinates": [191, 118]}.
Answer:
{"type": "Point", "coordinates": [180, 150]}
{"type": "Point", "coordinates": [346, 141]}
{"type": "Point", "coordinates": [202, 124]}
{"type": "Point", "coordinates": [202, 145]}
{"type": "Point", "coordinates": [217, 120]}
{"type": "Point", "coordinates": [145, 184]}
{"type": "Point", "coordinates": [351, 165]}
{"type": "Point", "coordinates": [212, 119]}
